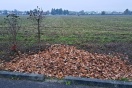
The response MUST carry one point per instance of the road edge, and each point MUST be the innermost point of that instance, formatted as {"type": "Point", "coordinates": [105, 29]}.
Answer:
{"type": "Point", "coordinates": [98, 82]}
{"type": "Point", "coordinates": [19, 75]}
{"type": "Point", "coordinates": [69, 80]}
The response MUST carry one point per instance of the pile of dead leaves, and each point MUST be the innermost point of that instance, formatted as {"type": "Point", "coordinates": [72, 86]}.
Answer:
{"type": "Point", "coordinates": [63, 60]}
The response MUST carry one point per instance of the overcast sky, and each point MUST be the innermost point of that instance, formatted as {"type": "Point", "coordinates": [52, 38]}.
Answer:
{"type": "Point", "coordinates": [73, 5]}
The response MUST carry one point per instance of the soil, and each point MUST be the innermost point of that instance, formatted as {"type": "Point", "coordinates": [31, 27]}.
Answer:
{"type": "Point", "coordinates": [124, 49]}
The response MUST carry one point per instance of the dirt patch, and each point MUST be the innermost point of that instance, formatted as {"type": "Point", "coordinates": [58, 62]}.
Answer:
{"type": "Point", "coordinates": [63, 60]}
{"type": "Point", "coordinates": [124, 49]}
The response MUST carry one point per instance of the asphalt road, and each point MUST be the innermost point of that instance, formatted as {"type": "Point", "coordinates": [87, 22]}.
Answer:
{"type": "Point", "coordinates": [8, 83]}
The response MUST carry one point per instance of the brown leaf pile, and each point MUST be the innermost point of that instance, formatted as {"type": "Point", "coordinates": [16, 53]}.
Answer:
{"type": "Point", "coordinates": [63, 60]}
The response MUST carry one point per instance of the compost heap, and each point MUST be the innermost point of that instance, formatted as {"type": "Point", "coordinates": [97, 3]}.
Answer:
{"type": "Point", "coordinates": [63, 60]}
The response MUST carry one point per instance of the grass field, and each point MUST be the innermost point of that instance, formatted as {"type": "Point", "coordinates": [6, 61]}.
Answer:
{"type": "Point", "coordinates": [85, 29]}
{"type": "Point", "coordinates": [81, 29]}
{"type": "Point", "coordinates": [94, 33]}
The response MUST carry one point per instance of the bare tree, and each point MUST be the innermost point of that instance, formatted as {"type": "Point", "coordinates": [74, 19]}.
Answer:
{"type": "Point", "coordinates": [13, 25]}
{"type": "Point", "coordinates": [36, 15]}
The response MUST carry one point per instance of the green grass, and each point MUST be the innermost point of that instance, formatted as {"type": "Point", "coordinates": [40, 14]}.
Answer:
{"type": "Point", "coordinates": [124, 79]}
{"type": "Point", "coordinates": [78, 30]}
{"type": "Point", "coordinates": [99, 29]}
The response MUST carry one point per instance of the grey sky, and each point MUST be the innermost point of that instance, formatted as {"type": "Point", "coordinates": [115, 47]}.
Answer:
{"type": "Point", "coordinates": [76, 5]}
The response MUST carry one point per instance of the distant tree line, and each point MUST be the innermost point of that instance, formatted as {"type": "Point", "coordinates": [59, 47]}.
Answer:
{"type": "Point", "coordinates": [59, 12]}
{"type": "Point", "coordinates": [126, 12]}
{"type": "Point", "coordinates": [67, 12]}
